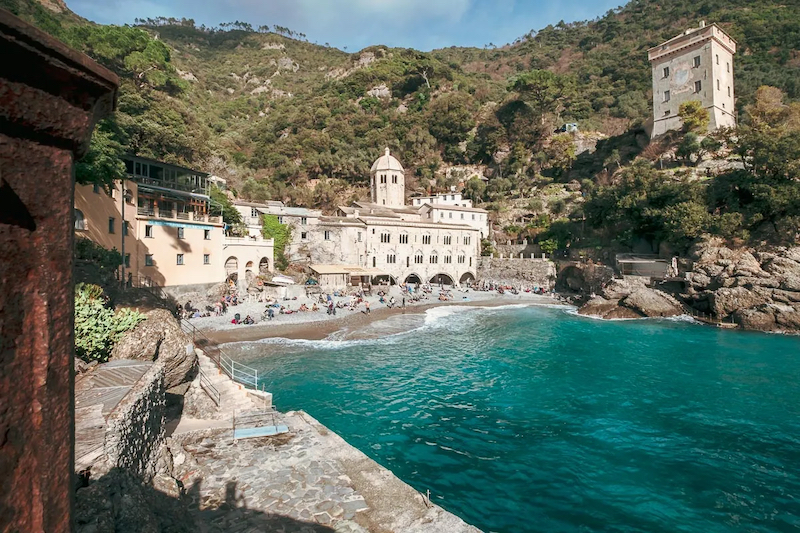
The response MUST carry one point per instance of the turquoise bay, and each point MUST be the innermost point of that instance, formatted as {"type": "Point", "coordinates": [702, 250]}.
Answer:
{"type": "Point", "coordinates": [533, 419]}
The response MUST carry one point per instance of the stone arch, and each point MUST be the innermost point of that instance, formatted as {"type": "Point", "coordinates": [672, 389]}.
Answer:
{"type": "Point", "coordinates": [442, 278]}
{"type": "Point", "coordinates": [413, 278]}
{"type": "Point", "coordinates": [467, 278]}
{"type": "Point", "coordinates": [232, 268]}
{"type": "Point", "coordinates": [249, 264]}
{"type": "Point", "coordinates": [263, 265]}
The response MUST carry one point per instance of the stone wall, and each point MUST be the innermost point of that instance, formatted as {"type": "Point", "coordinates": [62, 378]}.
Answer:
{"type": "Point", "coordinates": [135, 428]}
{"type": "Point", "coordinates": [518, 272]}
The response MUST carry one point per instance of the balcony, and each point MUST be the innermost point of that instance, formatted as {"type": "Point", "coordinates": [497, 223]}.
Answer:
{"type": "Point", "coordinates": [186, 216]}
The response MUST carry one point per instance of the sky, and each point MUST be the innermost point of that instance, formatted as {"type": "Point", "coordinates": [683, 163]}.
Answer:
{"type": "Point", "coordinates": [356, 24]}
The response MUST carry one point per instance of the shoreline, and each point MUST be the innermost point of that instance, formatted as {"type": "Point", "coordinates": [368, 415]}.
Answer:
{"type": "Point", "coordinates": [321, 329]}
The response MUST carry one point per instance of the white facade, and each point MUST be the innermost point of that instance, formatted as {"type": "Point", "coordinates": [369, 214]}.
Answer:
{"type": "Point", "coordinates": [394, 239]}
{"type": "Point", "coordinates": [455, 214]}
{"type": "Point", "coordinates": [452, 198]}
{"type": "Point", "coordinates": [696, 65]}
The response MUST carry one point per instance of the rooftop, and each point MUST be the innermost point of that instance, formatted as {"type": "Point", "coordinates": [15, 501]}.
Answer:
{"type": "Point", "coordinates": [386, 162]}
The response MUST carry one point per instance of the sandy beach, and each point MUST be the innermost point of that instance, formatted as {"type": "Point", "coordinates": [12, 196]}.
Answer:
{"type": "Point", "coordinates": [316, 325]}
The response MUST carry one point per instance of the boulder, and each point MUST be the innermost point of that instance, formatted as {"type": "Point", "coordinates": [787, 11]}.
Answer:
{"type": "Point", "coordinates": [758, 319]}
{"type": "Point", "coordinates": [652, 303]}
{"type": "Point", "coordinates": [160, 337]}
{"type": "Point", "coordinates": [725, 301]}
{"type": "Point", "coordinates": [608, 309]}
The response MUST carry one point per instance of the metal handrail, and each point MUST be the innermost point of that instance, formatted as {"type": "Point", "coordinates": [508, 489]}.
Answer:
{"type": "Point", "coordinates": [210, 389]}
{"type": "Point", "coordinates": [246, 375]}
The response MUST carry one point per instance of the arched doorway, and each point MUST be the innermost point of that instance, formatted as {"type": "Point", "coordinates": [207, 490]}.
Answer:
{"type": "Point", "coordinates": [80, 220]}
{"type": "Point", "coordinates": [441, 279]}
{"type": "Point", "coordinates": [248, 273]}
{"type": "Point", "coordinates": [232, 269]}
{"type": "Point", "coordinates": [413, 278]}
{"type": "Point", "coordinates": [467, 279]}
{"type": "Point", "coordinates": [263, 266]}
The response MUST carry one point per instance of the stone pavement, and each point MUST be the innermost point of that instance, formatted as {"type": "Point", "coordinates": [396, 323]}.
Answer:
{"type": "Point", "coordinates": [309, 480]}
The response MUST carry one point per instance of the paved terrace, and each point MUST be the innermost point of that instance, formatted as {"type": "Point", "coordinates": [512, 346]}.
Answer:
{"type": "Point", "coordinates": [97, 393]}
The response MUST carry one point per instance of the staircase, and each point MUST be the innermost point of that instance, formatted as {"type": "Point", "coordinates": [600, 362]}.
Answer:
{"type": "Point", "coordinates": [233, 396]}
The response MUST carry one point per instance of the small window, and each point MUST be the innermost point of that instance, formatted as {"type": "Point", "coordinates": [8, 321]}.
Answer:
{"type": "Point", "coordinates": [148, 260]}
{"type": "Point", "coordinates": [698, 86]}
{"type": "Point", "coordinates": [473, 216]}
{"type": "Point", "coordinates": [696, 61]}
{"type": "Point", "coordinates": [127, 260]}
{"type": "Point", "coordinates": [448, 239]}
{"type": "Point", "coordinates": [728, 66]}
{"type": "Point", "coordinates": [666, 96]}
{"type": "Point", "coordinates": [391, 259]}
{"type": "Point", "coordinates": [418, 259]}
{"type": "Point", "coordinates": [207, 234]}
{"type": "Point", "coordinates": [718, 85]}
{"type": "Point", "coordinates": [327, 235]}
{"type": "Point", "coordinates": [666, 113]}
{"type": "Point", "coordinates": [404, 239]}
{"type": "Point", "coordinates": [717, 59]}
{"type": "Point", "coordinates": [148, 231]}
{"type": "Point", "coordinates": [206, 259]}
{"type": "Point", "coordinates": [729, 90]}
{"type": "Point", "coordinates": [462, 216]}
{"type": "Point", "coordinates": [303, 221]}
{"type": "Point", "coordinates": [434, 259]}
{"type": "Point", "coordinates": [179, 259]}
{"type": "Point", "coordinates": [280, 220]}
{"type": "Point", "coordinates": [666, 72]}
{"type": "Point", "coordinates": [448, 259]}
{"type": "Point", "coordinates": [426, 239]}
{"type": "Point", "coordinates": [111, 224]}
{"type": "Point", "coordinates": [394, 179]}
{"type": "Point", "coordinates": [450, 215]}
{"type": "Point", "coordinates": [359, 236]}
{"type": "Point", "coordinates": [180, 236]}
{"type": "Point", "coordinates": [386, 238]}
{"type": "Point", "coordinates": [253, 212]}
{"type": "Point", "coordinates": [80, 220]}
{"type": "Point", "coordinates": [467, 240]}
{"type": "Point", "coordinates": [303, 235]}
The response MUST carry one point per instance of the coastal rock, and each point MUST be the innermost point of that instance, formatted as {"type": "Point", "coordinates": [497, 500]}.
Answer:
{"type": "Point", "coordinates": [652, 303]}
{"type": "Point", "coordinates": [608, 309]}
{"type": "Point", "coordinates": [725, 301]}
{"type": "Point", "coordinates": [584, 277]}
{"type": "Point", "coordinates": [160, 338]}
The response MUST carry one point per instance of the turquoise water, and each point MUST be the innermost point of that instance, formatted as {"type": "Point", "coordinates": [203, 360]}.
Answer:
{"type": "Point", "coordinates": [533, 419]}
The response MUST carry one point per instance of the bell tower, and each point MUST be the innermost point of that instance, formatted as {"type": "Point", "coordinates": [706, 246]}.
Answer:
{"type": "Point", "coordinates": [387, 181]}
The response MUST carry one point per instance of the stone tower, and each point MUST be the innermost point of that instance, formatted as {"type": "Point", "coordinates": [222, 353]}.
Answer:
{"type": "Point", "coordinates": [696, 65]}
{"type": "Point", "coordinates": [387, 182]}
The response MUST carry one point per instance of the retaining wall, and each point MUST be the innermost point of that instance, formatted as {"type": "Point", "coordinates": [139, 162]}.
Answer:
{"type": "Point", "coordinates": [135, 428]}
{"type": "Point", "coordinates": [517, 272]}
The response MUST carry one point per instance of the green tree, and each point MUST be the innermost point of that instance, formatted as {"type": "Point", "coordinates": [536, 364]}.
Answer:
{"type": "Point", "coordinates": [548, 246]}
{"type": "Point", "coordinates": [475, 189]}
{"type": "Point", "coordinates": [221, 205]}
{"type": "Point", "coordinates": [560, 154]}
{"type": "Point", "coordinates": [543, 91]}
{"type": "Point", "coordinates": [695, 117]}
{"type": "Point", "coordinates": [450, 119]}
{"type": "Point", "coordinates": [102, 163]}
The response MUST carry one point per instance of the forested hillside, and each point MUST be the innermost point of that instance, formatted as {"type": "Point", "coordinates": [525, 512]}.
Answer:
{"type": "Point", "coordinates": [282, 118]}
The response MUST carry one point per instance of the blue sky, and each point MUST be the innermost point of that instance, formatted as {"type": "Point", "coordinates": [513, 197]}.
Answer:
{"type": "Point", "coordinates": [355, 24]}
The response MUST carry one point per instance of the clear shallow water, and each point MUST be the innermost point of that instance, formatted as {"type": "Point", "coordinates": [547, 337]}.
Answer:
{"type": "Point", "coordinates": [532, 419]}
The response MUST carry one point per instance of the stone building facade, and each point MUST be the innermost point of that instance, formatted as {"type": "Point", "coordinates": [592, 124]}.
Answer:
{"type": "Point", "coordinates": [387, 238]}
{"type": "Point", "coordinates": [696, 65]}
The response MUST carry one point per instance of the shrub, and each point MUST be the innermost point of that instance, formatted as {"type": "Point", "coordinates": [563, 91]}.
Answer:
{"type": "Point", "coordinates": [97, 327]}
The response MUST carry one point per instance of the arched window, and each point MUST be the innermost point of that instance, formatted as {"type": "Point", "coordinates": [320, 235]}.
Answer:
{"type": "Point", "coordinates": [80, 220]}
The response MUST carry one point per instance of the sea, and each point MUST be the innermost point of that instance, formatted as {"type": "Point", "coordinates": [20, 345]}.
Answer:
{"type": "Point", "coordinates": [536, 419]}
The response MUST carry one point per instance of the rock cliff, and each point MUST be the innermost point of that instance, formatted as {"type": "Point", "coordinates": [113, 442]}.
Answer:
{"type": "Point", "coordinates": [759, 289]}
{"type": "Point", "coordinates": [756, 289]}
{"type": "Point", "coordinates": [161, 338]}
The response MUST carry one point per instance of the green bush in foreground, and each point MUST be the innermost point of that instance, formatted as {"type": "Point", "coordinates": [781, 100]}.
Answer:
{"type": "Point", "coordinates": [98, 328]}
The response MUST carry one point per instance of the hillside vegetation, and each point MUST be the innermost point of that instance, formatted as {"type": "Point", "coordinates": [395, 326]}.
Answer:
{"type": "Point", "coordinates": [282, 118]}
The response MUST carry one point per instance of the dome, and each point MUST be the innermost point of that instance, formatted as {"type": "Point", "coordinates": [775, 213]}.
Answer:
{"type": "Point", "coordinates": [387, 162]}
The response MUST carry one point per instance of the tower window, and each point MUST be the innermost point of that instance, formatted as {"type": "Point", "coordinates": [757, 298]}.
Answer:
{"type": "Point", "coordinates": [717, 59]}
{"type": "Point", "coordinates": [718, 85]}
{"type": "Point", "coordinates": [696, 61]}
{"type": "Point", "coordinates": [394, 179]}
{"type": "Point", "coordinates": [728, 66]}
{"type": "Point", "coordinates": [666, 96]}
{"type": "Point", "coordinates": [698, 86]}
{"type": "Point", "coordinates": [666, 72]}
{"type": "Point", "coordinates": [327, 235]}
{"type": "Point", "coordinates": [729, 90]}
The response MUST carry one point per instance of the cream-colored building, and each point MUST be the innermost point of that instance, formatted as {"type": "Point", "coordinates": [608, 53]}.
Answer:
{"type": "Point", "coordinates": [696, 65]}
{"type": "Point", "coordinates": [386, 237]}
{"type": "Point", "coordinates": [166, 235]}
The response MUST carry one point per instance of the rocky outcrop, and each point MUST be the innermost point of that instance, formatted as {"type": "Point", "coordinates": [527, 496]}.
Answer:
{"type": "Point", "coordinates": [586, 278]}
{"type": "Point", "coordinates": [759, 289]}
{"type": "Point", "coordinates": [631, 299]}
{"type": "Point", "coordinates": [160, 338]}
